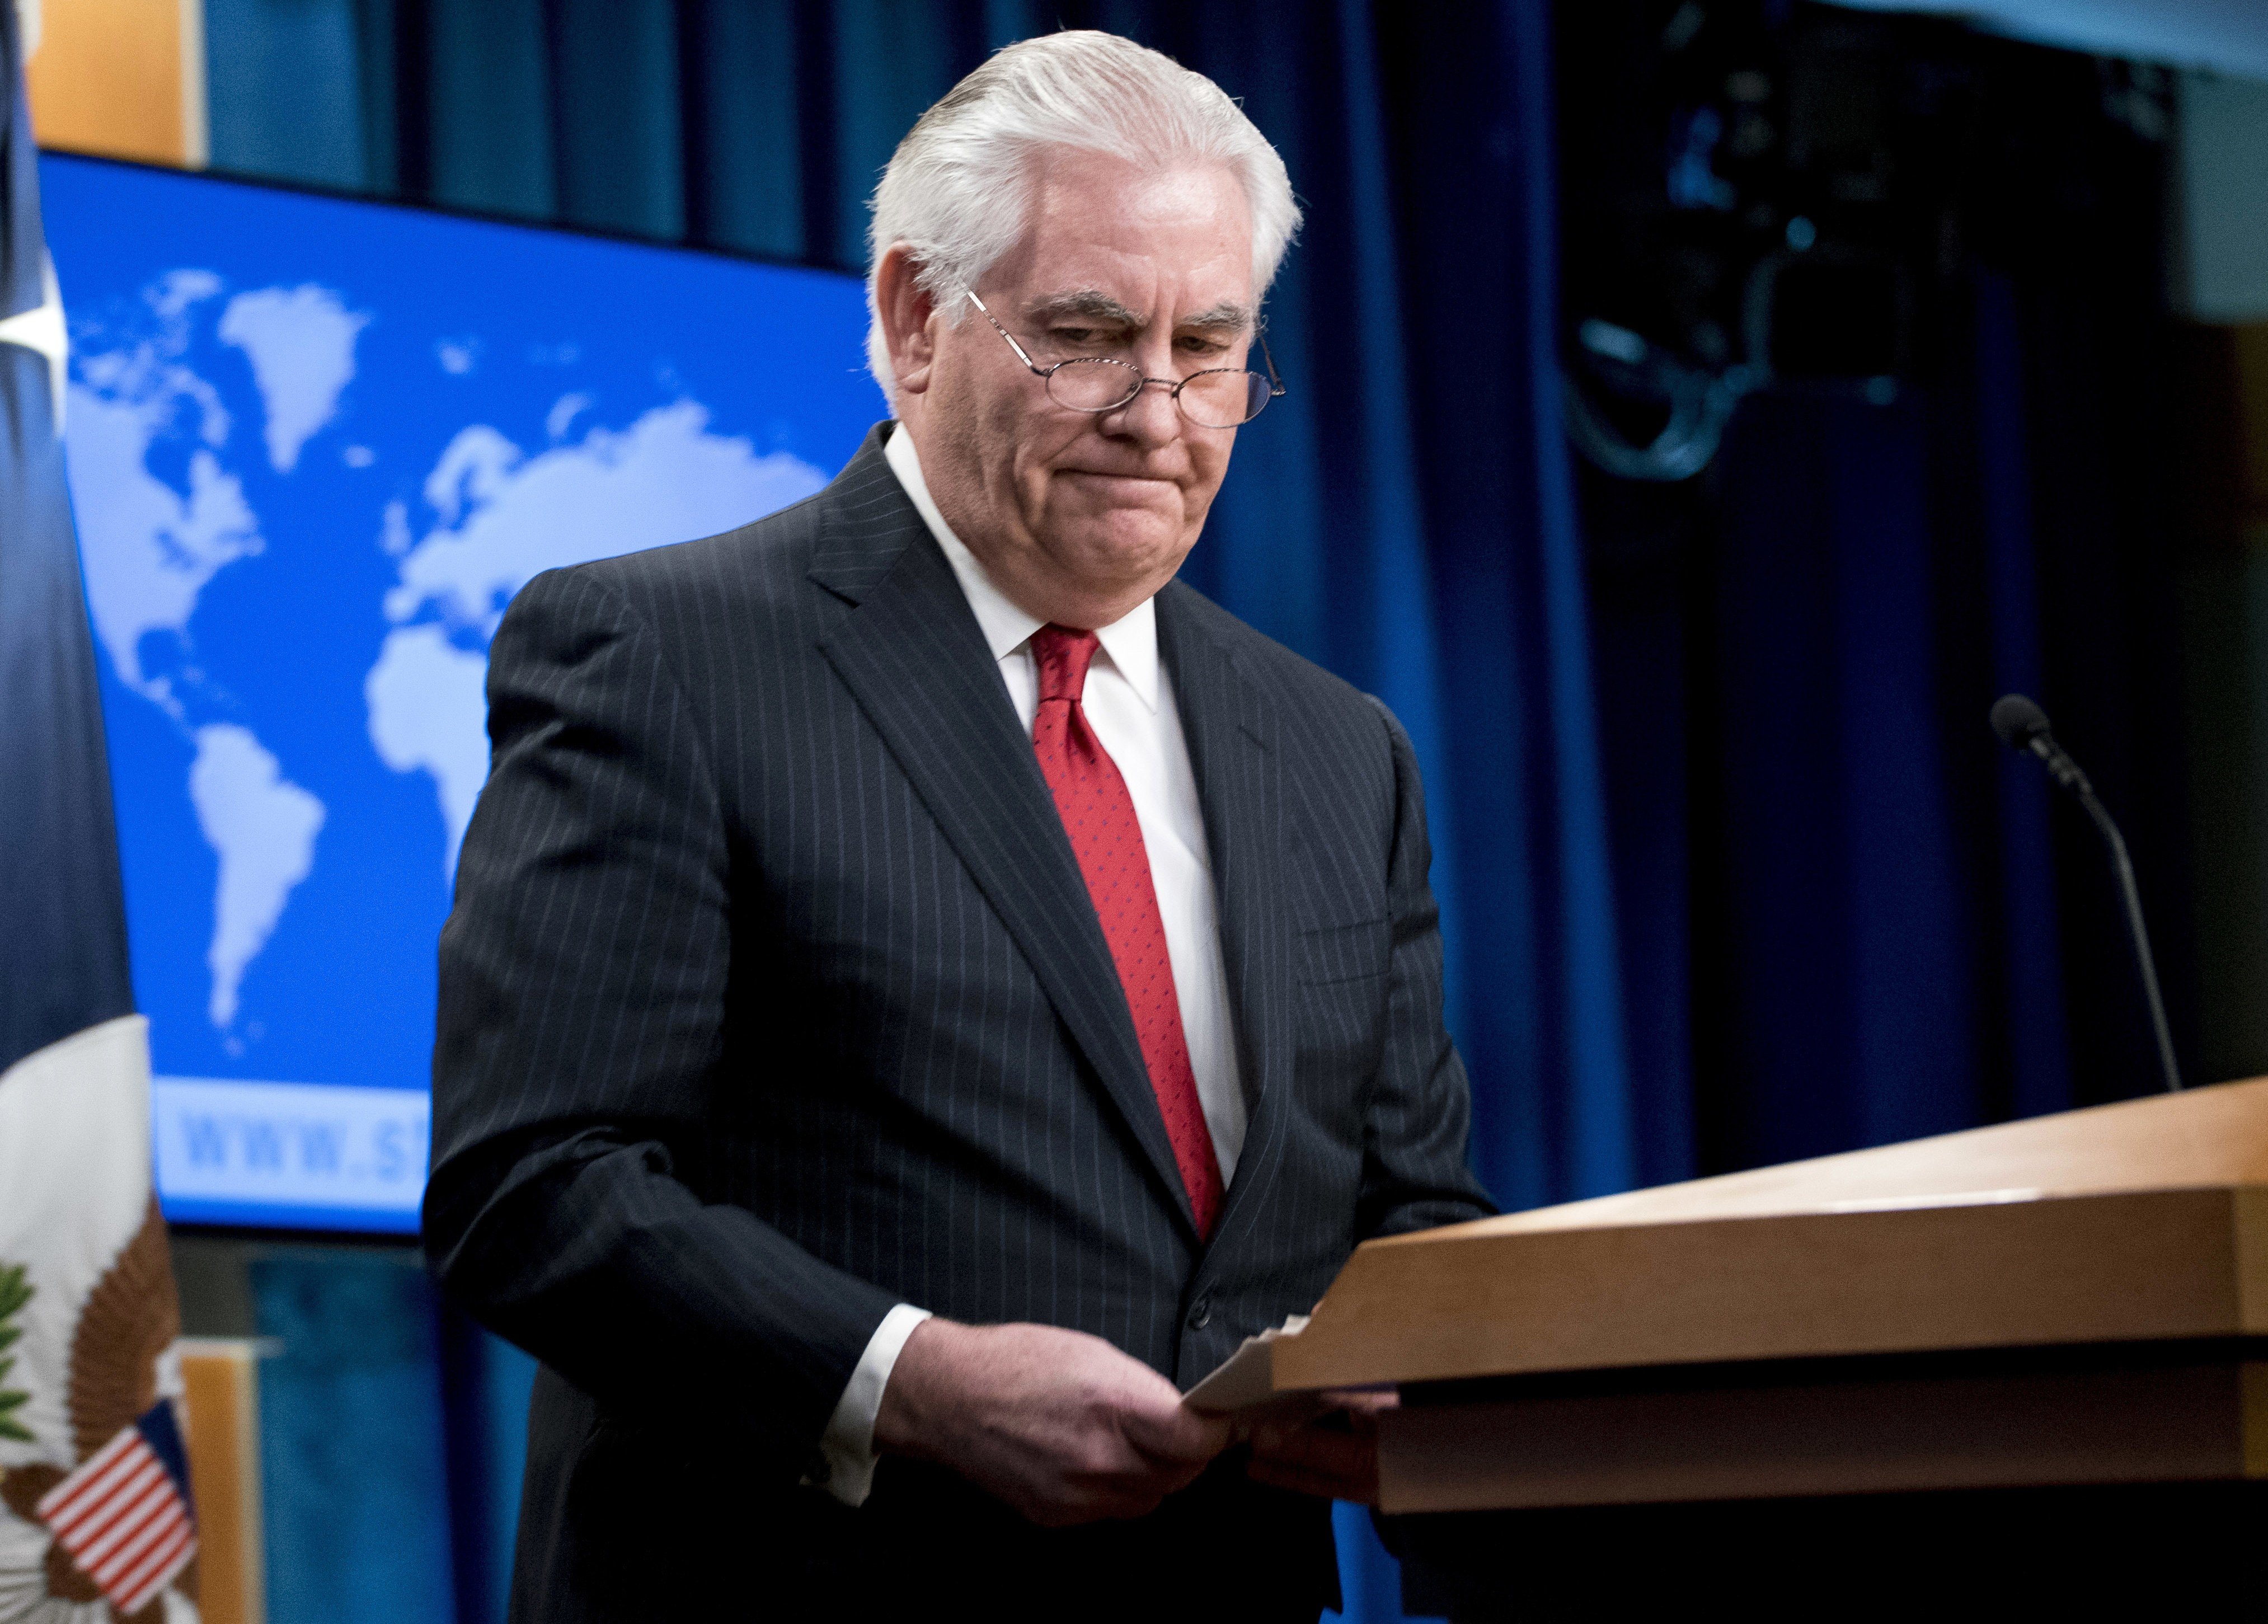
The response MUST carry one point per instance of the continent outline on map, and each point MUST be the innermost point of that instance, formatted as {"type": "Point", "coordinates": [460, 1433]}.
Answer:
{"type": "Point", "coordinates": [503, 517]}
{"type": "Point", "coordinates": [149, 550]}
{"type": "Point", "coordinates": [156, 532]}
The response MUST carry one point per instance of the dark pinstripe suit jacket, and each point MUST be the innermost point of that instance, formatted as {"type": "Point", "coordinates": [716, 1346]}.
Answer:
{"type": "Point", "coordinates": [773, 997]}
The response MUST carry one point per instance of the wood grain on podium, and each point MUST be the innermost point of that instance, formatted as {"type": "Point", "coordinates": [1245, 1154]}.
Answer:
{"type": "Point", "coordinates": [2136, 1221]}
{"type": "Point", "coordinates": [2074, 1301]}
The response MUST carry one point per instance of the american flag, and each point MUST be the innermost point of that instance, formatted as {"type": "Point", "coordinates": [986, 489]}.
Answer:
{"type": "Point", "coordinates": [73, 1052]}
{"type": "Point", "coordinates": [124, 1514]}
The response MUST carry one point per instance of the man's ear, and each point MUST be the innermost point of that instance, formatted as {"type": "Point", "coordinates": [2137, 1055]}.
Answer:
{"type": "Point", "coordinates": [909, 318]}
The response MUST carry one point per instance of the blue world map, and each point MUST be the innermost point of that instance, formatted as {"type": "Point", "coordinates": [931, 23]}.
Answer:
{"type": "Point", "coordinates": [315, 447]}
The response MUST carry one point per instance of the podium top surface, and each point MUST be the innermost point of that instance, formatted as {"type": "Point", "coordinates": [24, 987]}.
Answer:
{"type": "Point", "coordinates": [2206, 1138]}
{"type": "Point", "coordinates": [2138, 1222]}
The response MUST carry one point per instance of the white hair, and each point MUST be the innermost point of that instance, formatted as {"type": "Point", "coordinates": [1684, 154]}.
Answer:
{"type": "Point", "coordinates": [957, 189]}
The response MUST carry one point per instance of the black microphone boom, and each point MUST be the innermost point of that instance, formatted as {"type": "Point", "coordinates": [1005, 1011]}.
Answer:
{"type": "Point", "coordinates": [2023, 726]}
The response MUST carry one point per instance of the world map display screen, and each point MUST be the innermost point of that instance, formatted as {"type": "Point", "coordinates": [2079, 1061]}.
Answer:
{"type": "Point", "coordinates": [315, 447]}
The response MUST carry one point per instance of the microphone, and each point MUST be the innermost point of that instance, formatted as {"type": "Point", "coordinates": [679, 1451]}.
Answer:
{"type": "Point", "coordinates": [2023, 726]}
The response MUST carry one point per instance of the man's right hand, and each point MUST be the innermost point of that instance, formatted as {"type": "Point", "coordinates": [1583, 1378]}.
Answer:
{"type": "Point", "coordinates": [1059, 1424]}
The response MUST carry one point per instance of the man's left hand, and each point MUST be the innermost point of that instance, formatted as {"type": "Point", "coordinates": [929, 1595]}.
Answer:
{"type": "Point", "coordinates": [1333, 1456]}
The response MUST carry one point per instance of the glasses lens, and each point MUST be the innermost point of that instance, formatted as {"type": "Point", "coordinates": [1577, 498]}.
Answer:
{"type": "Point", "coordinates": [1223, 398]}
{"type": "Point", "coordinates": [1093, 385]}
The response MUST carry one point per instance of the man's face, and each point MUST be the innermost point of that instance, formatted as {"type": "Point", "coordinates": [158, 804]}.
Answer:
{"type": "Point", "coordinates": [1078, 516]}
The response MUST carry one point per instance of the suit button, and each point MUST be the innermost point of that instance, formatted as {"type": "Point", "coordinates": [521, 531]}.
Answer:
{"type": "Point", "coordinates": [1201, 1313]}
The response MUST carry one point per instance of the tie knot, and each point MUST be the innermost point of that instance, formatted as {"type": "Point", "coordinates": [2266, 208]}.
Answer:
{"type": "Point", "coordinates": [1062, 656]}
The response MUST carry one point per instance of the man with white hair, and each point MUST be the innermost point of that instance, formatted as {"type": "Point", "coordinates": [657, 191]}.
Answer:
{"type": "Point", "coordinates": [923, 984]}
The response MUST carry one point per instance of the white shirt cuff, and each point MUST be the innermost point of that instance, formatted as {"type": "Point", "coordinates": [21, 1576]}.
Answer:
{"type": "Point", "coordinates": [848, 1444]}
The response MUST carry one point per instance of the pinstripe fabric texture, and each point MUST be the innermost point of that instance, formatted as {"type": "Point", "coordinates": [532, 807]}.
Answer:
{"type": "Point", "coordinates": [773, 996]}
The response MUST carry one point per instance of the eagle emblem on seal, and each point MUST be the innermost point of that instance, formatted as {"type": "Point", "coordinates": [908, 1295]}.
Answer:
{"type": "Point", "coordinates": [130, 1320]}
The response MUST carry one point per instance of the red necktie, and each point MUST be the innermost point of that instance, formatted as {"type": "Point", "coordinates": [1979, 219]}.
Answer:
{"type": "Point", "coordinates": [1098, 814]}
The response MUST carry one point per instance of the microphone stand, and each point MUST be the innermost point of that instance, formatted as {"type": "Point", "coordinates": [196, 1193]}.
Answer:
{"type": "Point", "coordinates": [2132, 898]}
{"type": "Point", "coordinates": [2066, 773]}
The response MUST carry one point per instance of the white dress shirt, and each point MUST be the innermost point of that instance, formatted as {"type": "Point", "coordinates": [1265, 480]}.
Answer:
{"type": "Point", "coordinates": [1129, 702]}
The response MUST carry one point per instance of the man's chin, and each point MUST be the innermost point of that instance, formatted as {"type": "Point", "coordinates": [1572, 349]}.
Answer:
{"type": "Point", "coordinates": [1120, 555]}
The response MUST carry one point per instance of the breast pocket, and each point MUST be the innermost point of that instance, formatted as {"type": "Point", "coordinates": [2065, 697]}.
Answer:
{"type": "Point", "coordinates": [1332, 954]}
{"type": "Point", "coordinates": [1341, 1019]}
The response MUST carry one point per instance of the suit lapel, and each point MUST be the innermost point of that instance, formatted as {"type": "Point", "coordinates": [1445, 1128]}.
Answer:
{"type": "Point", "coordinates": [1232, 734]}
{"type": "Point", "coordinates": [913, 656]}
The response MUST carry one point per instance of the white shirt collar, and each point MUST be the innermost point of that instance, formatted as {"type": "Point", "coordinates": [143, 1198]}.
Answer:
{"type": "Point", "coordinates": [1130, 641]}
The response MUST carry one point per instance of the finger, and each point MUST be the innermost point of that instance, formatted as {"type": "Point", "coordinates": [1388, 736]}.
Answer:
{"type": "Point", "coordinates": [1361, 1401]}
{"type": "Point", "coordinates": [1176, 1433]}
{"type": "Point", "coordinates": [1118, 1473]}
{"type": "Point", "coordinates": [1174, 1478]}
{"type": "Point", "coordinates": [1313, 1448]}
{"type": "Point", "coordinates": [1322, 1485]}
{"type": "Point", "coordinates": [1342, 1461]}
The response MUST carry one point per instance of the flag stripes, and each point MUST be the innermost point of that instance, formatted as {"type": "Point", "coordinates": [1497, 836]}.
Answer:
{"type": "Point", "coordinates": [124, 1518]}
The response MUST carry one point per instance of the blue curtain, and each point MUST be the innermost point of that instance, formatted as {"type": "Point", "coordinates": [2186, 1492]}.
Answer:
{"type": "Point", "coordinates": [1914, 934]}
{"type": "Point", "coordinates": [1848, 916]}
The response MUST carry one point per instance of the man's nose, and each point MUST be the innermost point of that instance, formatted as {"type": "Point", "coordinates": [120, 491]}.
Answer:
{"type": "Point", "coordinates": [1151, 418]}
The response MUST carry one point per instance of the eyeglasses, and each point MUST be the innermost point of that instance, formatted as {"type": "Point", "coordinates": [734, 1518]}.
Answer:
{"type": "Point", "coordinates": [1221, 397]}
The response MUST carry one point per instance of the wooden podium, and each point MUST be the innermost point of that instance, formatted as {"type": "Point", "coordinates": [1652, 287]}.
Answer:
{"type": "Point", "coordinates": [2046, 1339]}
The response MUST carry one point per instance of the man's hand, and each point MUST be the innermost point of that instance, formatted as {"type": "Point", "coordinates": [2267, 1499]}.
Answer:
{"type": "Point", "coordinates": [1059, 1424]}
{"type": "Point", "coordinates": [1334, 1456]}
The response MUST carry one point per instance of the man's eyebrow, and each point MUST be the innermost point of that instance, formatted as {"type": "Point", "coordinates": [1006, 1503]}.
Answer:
{"type": "Point", "coordinates": [1228, 316]}
{"type": "Point", "coordinates": [1090, 304]}
{"type": "Point", "coordinates": [1087, 302]}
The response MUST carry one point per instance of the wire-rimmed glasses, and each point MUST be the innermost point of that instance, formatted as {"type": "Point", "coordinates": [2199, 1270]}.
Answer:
{"type": "Point", "coordinates": [1220, 397]}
